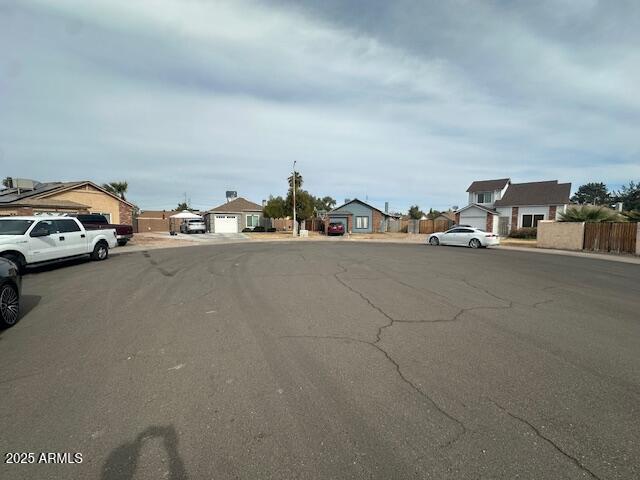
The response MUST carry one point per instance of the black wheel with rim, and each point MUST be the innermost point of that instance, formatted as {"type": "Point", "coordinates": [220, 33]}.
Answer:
{"type": "Point", "coordinates": [475, 243]}
{"type": "Point", "coordinates": [100, 251]}
{"type": "Point", "coordinates": [434, 241]}
{"type": "Point", "coordinates": [9, 305]}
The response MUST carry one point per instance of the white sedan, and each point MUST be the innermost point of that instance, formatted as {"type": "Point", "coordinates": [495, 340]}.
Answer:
{"type": "Point", "coordinates": [465, 236]}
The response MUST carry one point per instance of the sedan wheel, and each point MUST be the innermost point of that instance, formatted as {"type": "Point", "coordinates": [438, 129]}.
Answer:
{"type": "Point", "coordinates": [475, 243]}
{"type": "Point", "coordinates": [9, 305]}
{"type": "Point", "coordinates": [434, 241]}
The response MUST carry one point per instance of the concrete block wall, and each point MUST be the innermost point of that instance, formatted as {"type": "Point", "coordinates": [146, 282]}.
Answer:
{"type": "Point", "coordinates": [560, 235]}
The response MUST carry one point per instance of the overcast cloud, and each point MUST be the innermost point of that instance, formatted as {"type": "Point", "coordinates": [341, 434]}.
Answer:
{"type": "Point", "coordinates": [406, 102]}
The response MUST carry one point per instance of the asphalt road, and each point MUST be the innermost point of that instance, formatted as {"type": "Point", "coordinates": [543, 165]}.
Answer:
{"type": "Point", "coordinates": [326, 360]}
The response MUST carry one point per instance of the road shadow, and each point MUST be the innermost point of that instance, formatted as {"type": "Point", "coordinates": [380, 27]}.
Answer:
{"type": "Point", "coordinates": [122, 462]}
{"type": "Point", "coordinates": [57, 265]}
{"type": "Point", "coordinates": [28, 303]}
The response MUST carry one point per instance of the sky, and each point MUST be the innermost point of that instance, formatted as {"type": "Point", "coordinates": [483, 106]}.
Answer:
{"type": "Point", "coordinates": [405, 101]}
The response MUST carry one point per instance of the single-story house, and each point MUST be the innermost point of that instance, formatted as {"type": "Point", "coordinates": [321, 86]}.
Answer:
{"type": "Point", "coordinates": [360, 217]}
{"type": "Point", "coordinates": [234, 216]}
{"type": "Point", "coordinates": [28, 197]}
{"type": "Point", "coordinates": [446, 217]}
{"type": "Point", "coordinates": [499, 206]}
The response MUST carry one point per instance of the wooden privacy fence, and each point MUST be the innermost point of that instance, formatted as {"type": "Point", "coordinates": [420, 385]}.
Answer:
{"type": "Point", "coordinates": [431, 226]}
{"type": "Point", "coordinates": [422, 226]}
{"type": "Point", "coordinates": [610, 237]}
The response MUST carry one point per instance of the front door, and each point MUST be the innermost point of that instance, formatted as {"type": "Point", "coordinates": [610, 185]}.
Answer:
{"type": "Point", "coordinates": [43, 248]}
{"type": "Point", "coordinates": [503, 226]}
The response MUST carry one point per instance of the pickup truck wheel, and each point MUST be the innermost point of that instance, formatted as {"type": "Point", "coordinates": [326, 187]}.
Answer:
{"type": "Point", "coordinates": [100, 251]}
{"type": "Point", "coordinates": [17, 260]}
{"type": "Point", "coordinates": [9, 305]}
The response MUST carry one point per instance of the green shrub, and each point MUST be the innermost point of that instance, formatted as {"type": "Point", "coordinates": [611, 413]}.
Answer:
{"type": "Point", "coordinates": [527, 232]}
{"type": "Point", "coordinates": [259, 228]}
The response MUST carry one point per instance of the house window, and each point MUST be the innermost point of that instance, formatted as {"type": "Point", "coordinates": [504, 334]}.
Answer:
{"type": "Point", "coordinates": [362, 222]}
{"type": "Point", "coordinates": [485, 197]}
{"type": "Point", "coordinates": [536, 219]}
{"type": "Point", "coordinates": [531, 220]}
{"type": "Point", "coordinates": [253, 221]}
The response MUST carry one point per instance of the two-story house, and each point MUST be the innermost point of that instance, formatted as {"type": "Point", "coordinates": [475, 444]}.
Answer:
{"type": "Point", "coordinates": [499, 206]}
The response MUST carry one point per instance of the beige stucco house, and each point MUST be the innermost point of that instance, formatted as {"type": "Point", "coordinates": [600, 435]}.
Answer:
{"type": "Point", "coordinates": [64, 197]}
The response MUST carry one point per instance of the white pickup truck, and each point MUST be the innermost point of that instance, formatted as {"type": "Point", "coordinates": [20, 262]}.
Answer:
{"type": "Point", "coordinates": [35, 240]}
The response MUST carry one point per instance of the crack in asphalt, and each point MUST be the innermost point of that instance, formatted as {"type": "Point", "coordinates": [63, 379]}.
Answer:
{"type": "Point", "coordinates": [508, 304]}
{"type": "Point", "coordinates": [542, 302]}
{"type": "Point", "coordinates": [539, 433]}
{"type": "Point", "coordinates": [462, 428]}
{"type": "Point", "coordinates": [396, 364]}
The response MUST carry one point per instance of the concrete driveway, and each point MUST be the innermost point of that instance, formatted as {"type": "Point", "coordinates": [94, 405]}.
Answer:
{"type": "Point", "coordinates": [326, 360]}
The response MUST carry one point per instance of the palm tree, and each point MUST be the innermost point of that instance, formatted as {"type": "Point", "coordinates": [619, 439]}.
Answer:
{"type": "Point", "coordinates": [591, 214]}
{"type": "Point", "coordinates": [299, 181]}
{"type": "Point", "coordinates": [117, 188]}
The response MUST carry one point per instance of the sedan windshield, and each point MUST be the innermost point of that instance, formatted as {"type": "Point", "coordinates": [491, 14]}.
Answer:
{"type": "Point", "coordinates": [14, 227]}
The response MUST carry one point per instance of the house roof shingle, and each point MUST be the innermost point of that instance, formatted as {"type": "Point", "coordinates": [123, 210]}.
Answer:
{"type": "Point", "coordinates": [536, 193]}
{"type": "Point", "coordinates": [157, 214]}
{"type": "Point", "coordinates": [386, 214]}
{"type": "Point", "coordinates": [488, 185]}
{"type": "Point", "coordinates": [11, 195]}
{"type": "Point", "coordinates": [50, 203]}
{"type": "Point", "coordinates": [238, 205]}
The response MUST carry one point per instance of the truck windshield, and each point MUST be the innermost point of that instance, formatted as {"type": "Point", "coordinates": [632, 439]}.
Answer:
{"type": "Point", "coordinates": [10, 226]}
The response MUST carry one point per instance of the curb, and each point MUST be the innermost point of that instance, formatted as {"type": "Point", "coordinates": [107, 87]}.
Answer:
{"type": "Point", "coordinates": [568, 253]}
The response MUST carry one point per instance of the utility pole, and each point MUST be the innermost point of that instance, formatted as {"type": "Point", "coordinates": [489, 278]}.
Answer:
{"type": "Point", "coordinates": [295, 225]}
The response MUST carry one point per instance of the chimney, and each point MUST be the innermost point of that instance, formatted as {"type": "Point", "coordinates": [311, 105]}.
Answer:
{"type": "Point", "coordinates": [264, 203]}
{"type": "Point", "coordinates": [386, 207]}
{"type": "Point", "coordinates": [618, 207]}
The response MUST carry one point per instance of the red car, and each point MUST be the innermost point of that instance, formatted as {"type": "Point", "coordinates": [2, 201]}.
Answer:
{"type": "Point", "coordinates": [94, 221]}
{"type": "Point", "coordinates": [335, 229]}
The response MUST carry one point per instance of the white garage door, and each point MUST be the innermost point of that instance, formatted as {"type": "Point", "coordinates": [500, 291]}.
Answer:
{"type": "Point", "coordinates": [225, 224]}
{"type": "Point", "coordinates": [475, 222]}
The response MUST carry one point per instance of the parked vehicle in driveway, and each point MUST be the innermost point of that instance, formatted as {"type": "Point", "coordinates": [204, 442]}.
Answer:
{"type": "Point", "coordinates": [10, 284]}
{"type": "Point", "coordinates": [36, 240]}
{"type": "Point", "coordinates": [193, 225]}
{"type": "Point", "coordinates": [464, 236]}
{"type": "Point", "coordinates": [335, 229]}
{"type": "Point", "coordinates": [94, 221]}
